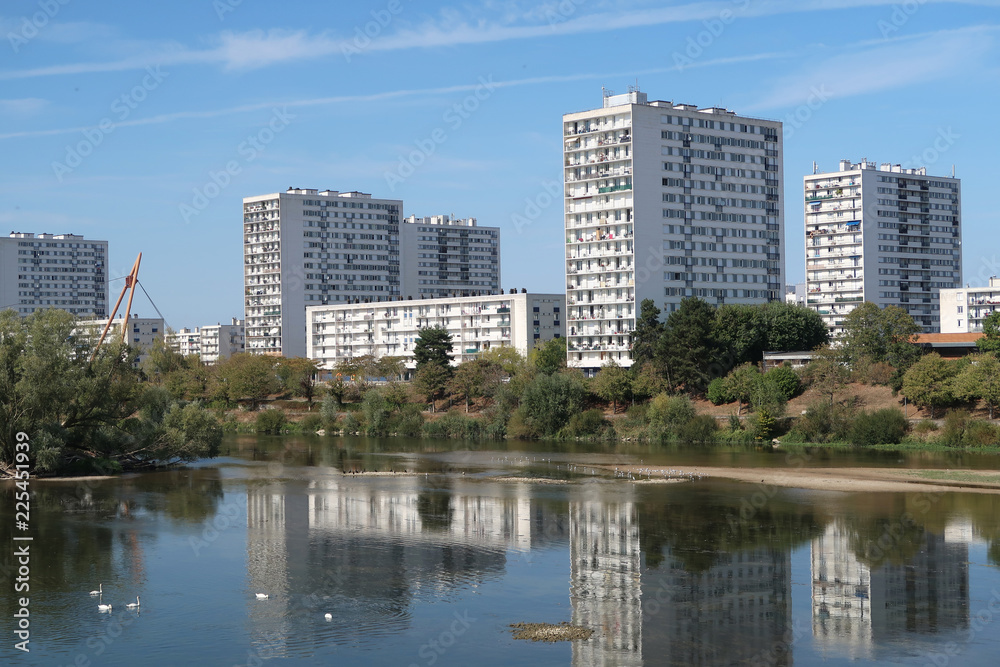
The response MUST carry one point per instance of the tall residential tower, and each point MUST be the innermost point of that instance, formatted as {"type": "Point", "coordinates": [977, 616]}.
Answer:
{"type": "Point", "coordinates": [884, 234]}
{"type": "Point", "coordinates": [665, 201]}
{"type": "Point", "coordinates": [308, 248]}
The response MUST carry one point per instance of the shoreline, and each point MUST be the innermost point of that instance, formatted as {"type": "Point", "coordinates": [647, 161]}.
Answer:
{"type": "Point", "coordinates": [836, 479]}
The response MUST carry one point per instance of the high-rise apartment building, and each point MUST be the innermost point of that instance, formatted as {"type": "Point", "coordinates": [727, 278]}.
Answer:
{"type": "Point", "coordinates": [884, 234]}
{"type": "Point", "coordinates": [66, 271]}
{"type": "Point", "coordinates": [442, 257]}
{"type": "Point", "coordinates": [665, 201]}
{"type": "Point", "coordinates": [307, 248]}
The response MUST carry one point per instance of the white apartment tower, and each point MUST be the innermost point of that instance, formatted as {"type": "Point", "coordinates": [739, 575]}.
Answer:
{"type": "Point", "coordinates": [443, 257]}
{"type": "Point", "coordinates": [665, 201]}
{"type": "Point", "coordinates": [307, 248]}
{"type": "Point", "coordinates": [963, 310]}
{"type": "Point", "coordinates": [65, 271]}
{"type": "Point", "coordinates": [884, 234]}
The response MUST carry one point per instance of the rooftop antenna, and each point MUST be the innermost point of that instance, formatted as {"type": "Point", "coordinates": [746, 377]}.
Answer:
{"type": "Point", "coordinates": [953, 171]}
{"type": "Point", "coordinates": [815, 167]}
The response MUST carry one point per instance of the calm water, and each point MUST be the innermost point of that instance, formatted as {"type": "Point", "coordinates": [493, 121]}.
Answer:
{"type": "Point", "coordinates": [430, 566]}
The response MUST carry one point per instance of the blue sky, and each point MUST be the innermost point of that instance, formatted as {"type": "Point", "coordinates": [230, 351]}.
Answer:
{"type": "Point", "coordinates": [146, 123]}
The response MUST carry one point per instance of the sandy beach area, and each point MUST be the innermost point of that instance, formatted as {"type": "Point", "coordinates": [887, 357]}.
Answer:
{"type": "Point", "coordinates": [835, 479]}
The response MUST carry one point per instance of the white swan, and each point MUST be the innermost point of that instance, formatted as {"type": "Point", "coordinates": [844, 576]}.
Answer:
{"type": "Point", "coordinates": [133, 605]}
{"type": "Point", "coordinates": [328, 616]}
{"type": "Point", "coordinates": [99, 591]}
{"type": "Point", "coordinates": [262, 596]}
{"type": "Point", "coordinates": [103, 607]}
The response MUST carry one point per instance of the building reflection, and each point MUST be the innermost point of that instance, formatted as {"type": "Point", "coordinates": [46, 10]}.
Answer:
{"type": "Point", "coordinates": [858, 609]}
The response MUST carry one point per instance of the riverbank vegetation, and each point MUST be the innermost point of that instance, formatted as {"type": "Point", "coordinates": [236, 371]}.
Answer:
{"type": "Point", "coordinates": [697, 378]}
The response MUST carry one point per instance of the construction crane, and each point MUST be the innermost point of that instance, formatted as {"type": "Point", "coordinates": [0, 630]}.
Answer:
{"type": "Point", "coordinates": [131, 280]}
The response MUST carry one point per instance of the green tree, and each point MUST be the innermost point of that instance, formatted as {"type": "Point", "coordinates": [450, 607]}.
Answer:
{"type": "Point", "coordinates": [431, 380]}
{"type": "Point", "coordinates": [548, 357]}
{"type": "Point", "coordinates": [930, 382]}
{"type": "Point", "coordinates": [750, 330]}
{"type": "Point", "coordinates": [475, 379]}
{"type": "Point", "coordinates": [162, 360]}
{"type": "Point", "coordinates": [990, 342]}
{"type": "Point", "coordinates": [390, 368]}
{"type": "Point", "coordinates": [879, 334]}
{"type": "Point", "coordinates": [550, 400]}
{"type": "Point", "coordinates": [433, 346]}
{"type": "Point", "coordinates": [688, 347]}
{"type": "Point", "coordinates": [980, 380]}
{"type": "Point", "coordinates": [828, 371]}
{"type": "Point", "coordinates": [613, 383]}
{"type": "Point", "coordinates": [298, 375]}
{"type": "Point", "coordinates": [646, 337]}
{"type": "Point", "coordinates": [250, 377]}
{"type": "Point", "coordinates": [741, 383]}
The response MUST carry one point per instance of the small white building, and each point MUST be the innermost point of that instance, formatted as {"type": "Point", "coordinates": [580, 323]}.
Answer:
{"type": "Point", "coordinates": [963, 310]}
{"type": "Point", "coordinates": [141, 333]}
{"type": "Point", "coordinates": [185, 341]}
{"type": "Point", "coordinates": [336, 333]}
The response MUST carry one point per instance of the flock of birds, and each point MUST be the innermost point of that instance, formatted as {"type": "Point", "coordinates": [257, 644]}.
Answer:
{"type": "Point", "coordinates": [105, 608]}
{"type": "Point", "coordinates": [650, 473]}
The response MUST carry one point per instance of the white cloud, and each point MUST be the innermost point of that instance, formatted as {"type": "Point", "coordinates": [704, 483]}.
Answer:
{"type": "Point", "coordinates": [22, 107]}
{"type": "Point", "coordinates": [900, 63]}
{"type": "Point", "coordinates": [492, 22]}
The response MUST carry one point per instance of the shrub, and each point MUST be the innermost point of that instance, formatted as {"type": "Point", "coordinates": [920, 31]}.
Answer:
{"type": "Point", "coordinates": [670, 410]}
{"type": "Point", "coordinates": [351, 424]}
{"type": "Point", "coordinates": [872, 373]}
{"type": "Point", "coordinates": [311, 423]}
{"type": "Point", "coordinates": [925, 426]}
{"type": "Point", "coordinates": [882, 427]}
{"type": "Point", "coordinates": [590, 422]}
{"type": "Point", "coordinates": [764, 426]}
{"type": "Point", "coordinates": [979, 433]}
{"type": "Point", "coordinates": [410, 422]}
{"type": "Point", "coordinates": [454, 425]}
{"type": "Point", "coordinates": [717, 393]}
{"type": "Point", "coordinates": [550, 400]}
{"type": "Point", "coordinates": [786, 380]}
{"type": "Point", "coordinates": [270, 421]}
{"type": "Point", "coordinates": [699, 429]}
{"type": "Point", "coordinates": [329, 411]}
{"type": "Point", "coordinates": [961, 431]}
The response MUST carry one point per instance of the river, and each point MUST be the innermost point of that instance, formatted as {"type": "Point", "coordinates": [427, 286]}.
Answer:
{"type": "Point", "coordinates": [424, 552]}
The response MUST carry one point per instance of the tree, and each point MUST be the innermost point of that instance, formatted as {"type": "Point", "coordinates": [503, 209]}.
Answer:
{"type": "Point", "coordinates": [879, 334]}
{"type": "Point", "coordinates": [475, 378]}
{"type": "Point", "coordinates": [648, 330]}
{"type": "Point", "coordinates": [990, 342]}
{"type": "Point", "coordinates": [930, 382]}
{"type": "Point", "coordinates": [828, 371]}
{"type": "Point", "coordinates": [250, 377]}
{"type": "Point", "coordinates": [613, 383]}
{"type": "Point", "coordinates": [161, 360]}
{"type": "Point", "coordinates": [550, 400]}
{"type": "Point", "coordinates": [298, 375]}
{"type": "Point", "coordinates": [433, 346]}
{"type": "Point", "coordinates": [390, 368]}
{"type": "Point", "coordinates": [508, 358]}
{"type": "Point", "coordinates": [431, 380]}
{"type": "Point", "coordinates": [82, 412]}
{"type": "Point", "coordinates": [750, 330]}
{"type": "Point", "coordinates": [549, 357]}
{"type": "Point", "coordinates": [980, 380]}
{"type": "Point", "coordinates": [688, 347]}
{"type": "Point", "coordinates": [741, 383]}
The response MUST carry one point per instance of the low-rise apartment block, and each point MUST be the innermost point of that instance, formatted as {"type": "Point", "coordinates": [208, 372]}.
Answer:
{"type": "Point", "coordinates": [963, 310]}
{"type": "Point", "coordinates": [339, 332]}
{"type": "Point", "coordinates": [213, 343]}
{"type": "Point", "coordinates": [141, 332]}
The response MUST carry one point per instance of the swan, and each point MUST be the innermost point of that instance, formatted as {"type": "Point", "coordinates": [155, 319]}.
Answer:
{"type": "Point", "coordinates": [104, 607]}
{"type": "Point", "coordinates": [99, 591]}
{"type": "Point", "coordinates": [133, 605]}
{"type": "Point", "coordinates": [328, 616]}
{"type": "Point", "coordinates": [262, 596]}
